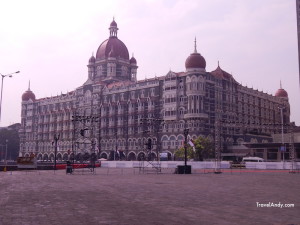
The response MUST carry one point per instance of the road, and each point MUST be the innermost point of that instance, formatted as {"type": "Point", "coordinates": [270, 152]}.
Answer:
{"type": "Point", "coordinates": [125, 196]}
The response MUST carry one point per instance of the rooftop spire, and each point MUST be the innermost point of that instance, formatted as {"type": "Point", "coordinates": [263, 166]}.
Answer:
{"type": "Point", "coordinates": [29, 85]}
{"type": "Point", "coordinates": [280, 85]}
{"type": "Point", "coordinates": [195, 50]}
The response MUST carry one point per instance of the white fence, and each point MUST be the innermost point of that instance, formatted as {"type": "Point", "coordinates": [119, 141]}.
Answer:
{"type": "Point", "coordinates": [203, 165]}
{"type": "Point", "coordinates": [163, 164]}
{"type": "Point", "coordinates": [273, 165]}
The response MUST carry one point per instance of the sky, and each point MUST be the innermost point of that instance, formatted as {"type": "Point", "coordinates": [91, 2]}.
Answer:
{"type": "Point", "coordinates": [50, 42]}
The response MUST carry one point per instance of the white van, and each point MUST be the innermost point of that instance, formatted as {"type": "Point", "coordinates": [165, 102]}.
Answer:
{"type": "Point", "coordinates": [252, 159]}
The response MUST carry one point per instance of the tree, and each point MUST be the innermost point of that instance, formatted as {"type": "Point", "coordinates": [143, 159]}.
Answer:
{"type": "Point", "coordinates": [12, 136]}
{"type": "Point", "coordinates": [204, 149]}
{"type": "Point", "coordinates": [179, 153]}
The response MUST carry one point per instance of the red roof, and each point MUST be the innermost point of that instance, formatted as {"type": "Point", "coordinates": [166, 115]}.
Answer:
{"type": "Point", "coordinates": [221, 73]}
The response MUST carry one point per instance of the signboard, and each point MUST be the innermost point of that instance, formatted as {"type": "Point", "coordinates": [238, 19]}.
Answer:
{"type": "Point", "coordinates": [163, 156]}
{"type": "Point", "coordinates": [282, 148]}
{"type": "Point", "coordinates": [27, 162]}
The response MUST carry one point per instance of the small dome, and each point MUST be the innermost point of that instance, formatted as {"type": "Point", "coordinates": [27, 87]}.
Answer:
{"type": "Point", "coordinates": [92, 59]}
{"type": "Point", "coordinates": [28, 95]}
{"type": "Point", "coordinates": [132, 60]}
{"type": "Point", "coordinates": [113, 23]}
{"type": "Point", "coordinates": [195, 60]}
{"type": "Point", "coordinates": [281, 93]}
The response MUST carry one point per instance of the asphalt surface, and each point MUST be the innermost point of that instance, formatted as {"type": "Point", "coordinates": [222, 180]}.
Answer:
{"type": "Point", "coordinates": [128, 196]}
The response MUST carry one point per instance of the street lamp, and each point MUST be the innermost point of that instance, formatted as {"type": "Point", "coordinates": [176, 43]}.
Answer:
{"type": "Point", "coordinates": [186, 133]}
{"type": "Point", "coordinates": [116, 150]}
{"type": "Point", "coordinates": [4, 75]}
{"type": "Point", "coordinates": [282, 138]}
{"type": "Point", "coordinates": [5, 155]}
{"type": "Point", "coordinates": [56, 138]}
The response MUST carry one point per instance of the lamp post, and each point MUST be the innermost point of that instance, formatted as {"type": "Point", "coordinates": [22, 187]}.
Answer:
{"type": "Point", "coordinates": [218, 145]}
{"type": "Point", "coordinates": [282, 138]}
{"type": "Point", "coordinates": [3, 76]}
{"type": "Point", "coordinates": [56, 138]}
{"type": "Point", "coordinates": [116, 146]}
{"type": "Point", "coordinates": [5, 155]}
{"type": "Point", "coordinates": [186, 133]}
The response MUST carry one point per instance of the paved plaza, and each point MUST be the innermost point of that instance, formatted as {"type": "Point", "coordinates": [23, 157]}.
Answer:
{"type": "Point", "coordinates": [125, 196]}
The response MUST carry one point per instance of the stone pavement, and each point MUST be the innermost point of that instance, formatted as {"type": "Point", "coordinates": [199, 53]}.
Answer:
{"type": "Point", "coordinates": [124, 196]}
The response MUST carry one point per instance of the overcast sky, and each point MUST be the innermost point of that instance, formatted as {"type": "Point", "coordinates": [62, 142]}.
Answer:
{"type": "Point", "coordinates": [50, 42]}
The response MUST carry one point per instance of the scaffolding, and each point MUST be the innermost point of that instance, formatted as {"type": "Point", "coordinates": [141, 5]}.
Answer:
{"type": "Point", "coordinates": [218, 146]}
{"type": "Point", "coordinates": [151, 129]}
{"type": "Point", "coordinates": [84, 142]}
{"type": "Point", "coordinates": [293, 168]}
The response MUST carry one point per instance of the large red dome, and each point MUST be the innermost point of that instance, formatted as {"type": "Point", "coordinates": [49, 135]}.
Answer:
{"type": "Point", "coordinates": [195, 60]}
{"type": "Point", "coordinates": [112, 47]}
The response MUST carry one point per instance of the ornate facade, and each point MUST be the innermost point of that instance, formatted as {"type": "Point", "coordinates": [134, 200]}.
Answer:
{"type": "Point", "coordinates": [114, 112]}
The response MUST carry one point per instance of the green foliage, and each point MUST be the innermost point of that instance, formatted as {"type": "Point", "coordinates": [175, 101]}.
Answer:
{"type": "Point", "coordinates": [204, 149]}
{"type": "Point", "coordinates": [179, 153]}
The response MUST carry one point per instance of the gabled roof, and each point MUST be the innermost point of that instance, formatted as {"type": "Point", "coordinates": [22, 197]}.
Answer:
{"type": "Point", "coordinates": [221, 73]}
